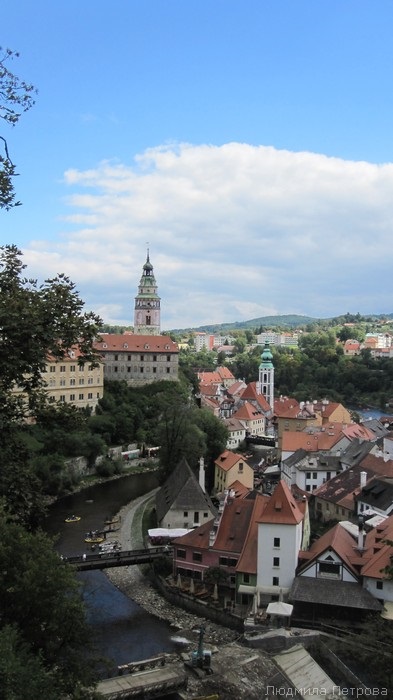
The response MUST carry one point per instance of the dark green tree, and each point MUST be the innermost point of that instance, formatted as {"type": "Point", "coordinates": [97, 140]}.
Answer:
{"type": "Point", "coordinates": [16, 97]}
{"type": "Point", "coordinates": [41, 602]}
{"type": "Point", "coordinates": [35, 321]}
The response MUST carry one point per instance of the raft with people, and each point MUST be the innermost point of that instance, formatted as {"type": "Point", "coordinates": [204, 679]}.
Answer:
{"type": "Point", "coordinates": [72, 519]}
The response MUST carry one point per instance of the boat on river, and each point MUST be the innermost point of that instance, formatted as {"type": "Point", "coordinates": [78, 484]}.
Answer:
{"type": "Point", "coordinates": [72, 519]}
{"type": "Point", "coordinates": [94, 537]}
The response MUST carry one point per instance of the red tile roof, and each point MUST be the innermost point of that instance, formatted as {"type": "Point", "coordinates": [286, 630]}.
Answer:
{"type": "Point", "coordinates": [312, 441]}
{"type": "Point", "coordinates": [285, 407]}
{"type": "Point", "coordinates": [282, 507]}
{"type": "Point", "coordinates": [126, 342]}
{"type": "Point", "coordinates": [228, 459]}
{"type": "Point", "coordinates": [249, 556]}
{"type": "Point", "coordinates": [340, 541]}
{"type": "Point", "coordinates": [253, 393]}
{"type": "Point", "coordinates": [248, 412]}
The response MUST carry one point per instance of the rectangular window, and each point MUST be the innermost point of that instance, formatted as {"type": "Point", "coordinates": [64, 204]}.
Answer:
{"type": "Point", "coordinates": [196, 517]}
{"type": "Point", "coordinates": [154, 370]}
{"type": "Point", "coordinates": [329, 569]}
{"type": "Point", "coordinates": [315, 475]}
{"type": "Point", "coordinates": [223, 561]}
{"type": "Point", "coordinates": [276, 542]}
{"type": "Point", "coordinates": [276, 561]}
{"type": "Point", "coordinates": [72, 382]}
{"type": "Point", "coordinates": [380, 585]}
{"type": "Point", "coordinates": [81, 381]}
{"type": "Point", "coordinates": [241, 465]}
{"type": "Point", "coordinates": [90, 395]}
{"type": "Point", "coordinates": [142, 357]}
{"type": "Point", "coordinates": [168, 358]}
{"type": "Point", "coordinates": [168, 370]}
{"type": "Point", "coordinates": [62, 398]}
{"type": "Point", "coordinates": [62, 368]}
{"type": "Point", "coordinates": [72, 368]}
{"type": "Point", "coordinates": [141, 370]}
{"type": "Point", "coordinates": [246, 578]}
{"type": "Point", "coordinates": [276, 581]}
{"type": "Point", "coordinates": [185, 514]}
{"type": "Point", "coordinates": [81, 397]}
{"type": "Point", "coordinates": [90, 380]}
{"type": "Point", "coordinates": [181, 553]}
{"type": "Point", "coordinates": [81, 368]}
{"type": "Point", "coordinates": [232, 562]}
{"type": "Point", "coordinates": [196, 556]}
{"type": "Point", "coordinates": [62, 382]}
{"type": "Point", "coordinates": [72, 397]}
{"type": "Point", "coordinates": [308, 475]}
{"type": "Point", "coordinates": [154, 358]}
{"type": "Point", "coordinates": [116, 358]}
{"type": "Point", "coordinates": [52, 368]}
{"type": "Point", "coordinates": [206, 515]}
{"type": "Point", "coordinates": [128, 358]}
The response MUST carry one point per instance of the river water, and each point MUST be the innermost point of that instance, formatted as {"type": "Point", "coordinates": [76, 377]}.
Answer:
{"type": "Point", "coordinates": [121, 630]}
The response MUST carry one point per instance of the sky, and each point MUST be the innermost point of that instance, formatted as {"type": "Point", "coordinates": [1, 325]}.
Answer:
{"type": "Point", "coordinates": [246, 143]}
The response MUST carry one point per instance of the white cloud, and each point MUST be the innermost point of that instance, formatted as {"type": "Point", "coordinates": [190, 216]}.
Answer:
{"type": "Point", "coordinates": [235, 232]}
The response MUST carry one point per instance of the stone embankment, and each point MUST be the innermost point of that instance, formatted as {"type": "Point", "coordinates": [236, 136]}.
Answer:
{"type": "Point", "coordinates": [134, 584]}
{"type": "Point", "coordinates": [238, 672]}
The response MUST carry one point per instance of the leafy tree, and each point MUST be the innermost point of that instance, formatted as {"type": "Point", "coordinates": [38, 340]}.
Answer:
{"type": "Point", "coordinates": [43, 619]}
{"type": "Point", "coordinates": [16, 97]}
{"type": "Point", "coordinates": [36, 320]}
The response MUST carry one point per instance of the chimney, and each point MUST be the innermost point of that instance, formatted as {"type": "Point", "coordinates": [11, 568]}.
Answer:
{"type": "Point", "coordinates": [202, 474]}
{"type": "Point", "coordinates": [360, 537]}
{"type": "Point", "coordinates": [363, 479]}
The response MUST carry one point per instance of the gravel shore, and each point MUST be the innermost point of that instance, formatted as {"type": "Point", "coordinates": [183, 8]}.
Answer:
{"type": "Point", "coordinates": [131, 581]}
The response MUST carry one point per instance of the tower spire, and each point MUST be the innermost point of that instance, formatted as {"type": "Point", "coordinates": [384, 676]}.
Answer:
{"type": "Point", "coordinates": [147, 319]}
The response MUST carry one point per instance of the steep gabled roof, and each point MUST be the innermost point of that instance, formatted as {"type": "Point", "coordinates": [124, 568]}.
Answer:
{"type": "Point", "coordinates": [337, 539]}
{"type": "Point", "coordinates": [248, 559]}
{"type": "Point", "coordinates": [248, 412]}
{"type": "Point", "coordinates": [282, 507]}
{"type": "Point", "coordinates": [379, 553]}
{"type": "Point", "coordinates": [228, 459]}
{"type": "Point", "coordinates": [253, 393]}
{"type": "Point", "coordinates": [181, 490]}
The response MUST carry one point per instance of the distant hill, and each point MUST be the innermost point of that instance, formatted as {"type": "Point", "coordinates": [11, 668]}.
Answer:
{"type": "Point", "coordinates": [289, 321]}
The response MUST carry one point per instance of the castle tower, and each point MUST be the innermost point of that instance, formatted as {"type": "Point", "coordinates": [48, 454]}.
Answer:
{"type": "Point", "coordinates": [266, 375]}
{"type": "Point", "coordinates": [147, 303]}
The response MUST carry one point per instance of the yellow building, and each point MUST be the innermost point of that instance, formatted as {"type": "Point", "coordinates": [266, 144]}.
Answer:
{"type": "Point", "coordinates": [230, 467]}
{"type": "Point", "coordinates": [67, 381]}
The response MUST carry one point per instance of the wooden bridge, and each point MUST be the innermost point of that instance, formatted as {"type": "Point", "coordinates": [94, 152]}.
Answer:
{"type": "Point", "coordinates": [107, 560]}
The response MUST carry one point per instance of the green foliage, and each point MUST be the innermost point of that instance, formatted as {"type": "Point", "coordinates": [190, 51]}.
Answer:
{"type": "Point", "coordinates": [16, 97]}
{"type": "Point", "coordinates": [43, 619]}
{"type": "Point", "coordinates": [20, 669]}
{"type": "Point", "coordinates": [215, 574]}
{"type": "Point", "coordinates": [36, 320]}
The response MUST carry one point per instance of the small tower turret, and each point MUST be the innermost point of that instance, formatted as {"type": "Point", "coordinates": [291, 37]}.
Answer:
{"type": "Point", "coordinates": [147, 315]}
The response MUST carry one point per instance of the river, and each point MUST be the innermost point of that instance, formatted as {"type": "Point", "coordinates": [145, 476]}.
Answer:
{"type": "Point", "coordinates": [122, 631]}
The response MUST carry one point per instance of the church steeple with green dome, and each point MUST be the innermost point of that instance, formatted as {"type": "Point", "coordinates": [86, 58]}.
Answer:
{"type": "Point", "coordinates": [266, 375]}
{"type": "Point", "coordinates": [147, 312]}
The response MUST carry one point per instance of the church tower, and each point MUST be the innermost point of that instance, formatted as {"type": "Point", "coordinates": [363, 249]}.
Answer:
{"type": "Point", "coordinates": [266, 376]}
{"type": "Point", "coordinates": [147, 303]}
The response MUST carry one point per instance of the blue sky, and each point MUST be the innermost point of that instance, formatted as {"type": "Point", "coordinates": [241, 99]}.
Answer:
{"type": "Point", "coordinates": [249, 143]}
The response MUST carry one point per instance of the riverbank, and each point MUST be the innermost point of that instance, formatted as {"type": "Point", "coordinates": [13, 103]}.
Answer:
{"type": "Point", "coordinates": [131, 581]}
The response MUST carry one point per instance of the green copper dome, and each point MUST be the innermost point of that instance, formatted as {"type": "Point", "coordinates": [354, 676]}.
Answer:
{"type": "Point", "coordinates": [267, 358]}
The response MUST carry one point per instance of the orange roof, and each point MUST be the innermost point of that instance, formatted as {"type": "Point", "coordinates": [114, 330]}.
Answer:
{"type": "Point", "coordinates": [312, 441]}
{"type": "Point", "coordinates": [252, 393]}
{"type": "Point", "coordinates": [354, 430]}
{"type": "Point", "coordinates": [282, 507]}
{"type": "Point", "coordinates": [249, 556]}
{"type": "Point", "coordinates": [285, 407]}
{"type": "Point", "coordinates": [248, 412]}
{"type": "Point", "coordinates": [224, 373]}
{"type": "Point", "coordinates": [379, 553]}
{"type": "Point", "coordinates": [116, 342]}
{"type": "Point", "coordinates": [228, 459]}
{"type": "Point", "coordinates": [340, 541]}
